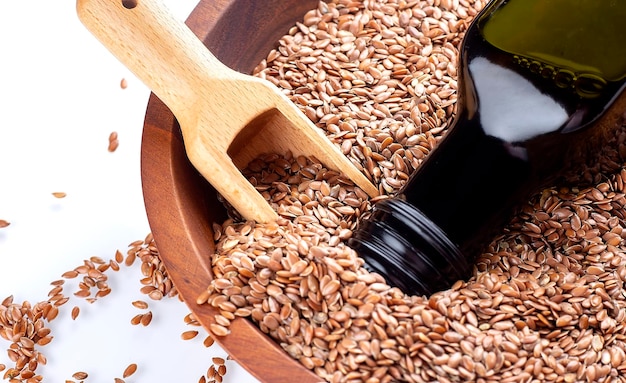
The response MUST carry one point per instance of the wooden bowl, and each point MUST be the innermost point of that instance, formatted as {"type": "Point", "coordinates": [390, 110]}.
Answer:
{"type": "Point", "coordinates": [181, 206]}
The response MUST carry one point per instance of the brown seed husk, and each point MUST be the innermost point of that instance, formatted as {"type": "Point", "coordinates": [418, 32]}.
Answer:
{"type": "Point", "coordinates": [218, 360]}
{"type": "Point", "coordinates": [146, 318]}
{"type": "Point", "coordinates": [140, 304]}
{"type": "Point", "coordinates": [131, 369]}
{"type": "Point", "coordinates": [113, 142]}
{"type": "Point", "coordinates": [119, 257]}
{"type": "Point", "coordinates": [208, 341]}
{"type": "Point", "coordinates": [136, 319]}
{"type": "Point", "coordinates": [218, 330]}
{"type": "Point", "coordinates": [70, 274]}
{"type": "Point", "coordinates": [189, 334]}
{"type": "Point", "coordinates": [80, 375]}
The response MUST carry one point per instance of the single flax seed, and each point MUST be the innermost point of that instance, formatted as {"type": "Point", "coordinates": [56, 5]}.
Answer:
{"type": "Point", "coordinates": [140, 304]}
{"type": "Point", "coordinates": [130, 370]}
{"type": "Point", "coordinates": [136, 319]}
{"type": "Point", "coordinates": [187, 335]}
{"type": "Point", "coordinates": [80, 375]}
{"type": "Point", "coordinates": [146, 318]}
{"type": "Point", "coordinates": [75, 312]}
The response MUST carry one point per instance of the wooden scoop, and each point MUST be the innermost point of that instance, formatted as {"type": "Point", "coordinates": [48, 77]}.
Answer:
{"type": "Point", "coordinates": [227, 118]}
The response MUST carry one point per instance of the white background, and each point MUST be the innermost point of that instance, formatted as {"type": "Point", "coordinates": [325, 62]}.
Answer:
{"type": "Point", "coordinates": [60, 98]}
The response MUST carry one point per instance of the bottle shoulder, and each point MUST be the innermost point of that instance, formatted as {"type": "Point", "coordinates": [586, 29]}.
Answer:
{"type": "Point", "coordinates": [518, 98]}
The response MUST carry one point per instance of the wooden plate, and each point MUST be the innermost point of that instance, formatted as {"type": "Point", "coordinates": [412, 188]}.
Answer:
{"type": "Point", "coordinates": [181, 205]}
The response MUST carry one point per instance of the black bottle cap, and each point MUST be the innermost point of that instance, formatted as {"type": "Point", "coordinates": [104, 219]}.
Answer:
{"type": "Point", "coordinates": [410, 251]}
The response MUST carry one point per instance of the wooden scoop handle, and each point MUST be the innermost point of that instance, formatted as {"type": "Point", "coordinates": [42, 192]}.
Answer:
{"type": "Point", "coordinates": [158, 48]}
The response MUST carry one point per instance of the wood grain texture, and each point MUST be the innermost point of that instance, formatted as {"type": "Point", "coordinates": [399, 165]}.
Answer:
{"type": "Point", "coordinates": [181, 204]}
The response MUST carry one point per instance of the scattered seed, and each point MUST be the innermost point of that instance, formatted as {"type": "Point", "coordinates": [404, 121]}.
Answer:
{"type": "Point", "coordinates": [136, 319]}
{"type": "Point", "coordinates": [218, 360]}
{"type": "Point", "coordinates": [70, 274]}
{"type": "Point", "coordinates": [140, 304]}
{"type": "Point", "coordinates": [146, 318]}
{"type": "Point", "coordinates": [23, 323]}
{"type": "Point", "coordinates": [189, 334]}
{"type": "Point", "coordinates": [130, 259]}
{"type": "Point", "coordinates": [80, 375]}
{"type": "Point", "coordinates": [119, 257]}
{"type": "Point", "coordinates": [131, 369]}
{"type": "Point", "coordinates": [208, 341]}
{"type": "Point", "coordinates": [113, 141]}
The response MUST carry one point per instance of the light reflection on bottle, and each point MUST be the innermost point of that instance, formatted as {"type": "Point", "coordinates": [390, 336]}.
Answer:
{"type": "Point", "coordinates": [511, 108]}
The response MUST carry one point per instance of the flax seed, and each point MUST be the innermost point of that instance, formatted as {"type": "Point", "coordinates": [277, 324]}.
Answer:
{"type": "Point", "coordinates": [136, 319]}
{"type": "Point", "coordinates": [217, 360]}
{"type": "Point", "coordinates": [189, 334]}
{"type": "Point", "coordinates": [140, 304]}
{"type": "Point", "coordinates": [129, 370]}
{"type": "Point", "coordinates": [208, 341]}
{"type": "Point", "coordinates": [80, 375]}
{"type": "Point", "coordinates": [146, 318]}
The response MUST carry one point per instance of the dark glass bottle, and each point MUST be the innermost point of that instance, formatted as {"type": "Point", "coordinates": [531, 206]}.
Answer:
{"type": "Point", "coordinates": [540, 85]}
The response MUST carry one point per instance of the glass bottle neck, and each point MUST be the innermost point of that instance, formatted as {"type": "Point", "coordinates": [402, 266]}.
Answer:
{"type": "Point", "coordinates": [418, 255]}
